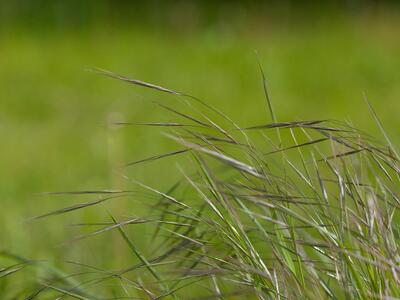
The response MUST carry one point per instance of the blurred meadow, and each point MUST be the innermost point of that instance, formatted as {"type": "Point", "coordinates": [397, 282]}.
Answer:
{"type": "Point", "coordinates": [56, 115]}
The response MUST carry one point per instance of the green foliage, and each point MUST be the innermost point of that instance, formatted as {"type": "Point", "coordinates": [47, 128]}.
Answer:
{"type": "Point", "coordinates": [61, 131]}
{"type": "Point", "coordinates": [282, 210]}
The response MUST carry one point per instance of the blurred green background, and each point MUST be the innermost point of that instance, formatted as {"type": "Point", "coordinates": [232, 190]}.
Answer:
{"type": "Point", "coordinates": [55, 115]}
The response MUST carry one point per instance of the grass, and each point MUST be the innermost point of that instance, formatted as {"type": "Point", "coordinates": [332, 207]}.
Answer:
{"type": "Point", "coordinates": [286, 210]}
{"type": "Point", "coordinates": [57, 136]}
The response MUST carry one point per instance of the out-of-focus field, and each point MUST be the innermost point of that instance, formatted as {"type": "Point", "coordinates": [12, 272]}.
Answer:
{"type": "Point", "coordinates": [54, 114]}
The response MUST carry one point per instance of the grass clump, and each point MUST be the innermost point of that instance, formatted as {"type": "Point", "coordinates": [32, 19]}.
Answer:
{"type": "Point", "coordinates": [282, 210]}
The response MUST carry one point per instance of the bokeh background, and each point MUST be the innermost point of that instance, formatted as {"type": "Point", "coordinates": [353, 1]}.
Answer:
{"type": "Point", "coordinates": [320, 60]}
